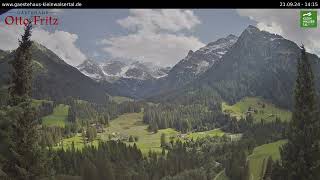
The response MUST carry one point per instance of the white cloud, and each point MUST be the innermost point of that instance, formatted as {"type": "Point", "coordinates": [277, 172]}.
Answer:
{"type": "Point", "coordinates": [9, 36]}
{"type": "Point", "coordinates": [286, 22]}
{"type": "Point", "coordinates": [155, 36]}
{"type": "Point", "coordinates": [162, 49]}
{"type": "Point", "coordinates": [165, 19]}
{"type": "Point", "coordinates": [60, 42]}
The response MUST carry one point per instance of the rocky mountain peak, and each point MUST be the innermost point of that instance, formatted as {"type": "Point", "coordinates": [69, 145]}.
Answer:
{"type": "Point", "coordinates": [190, 53]}
{"type": "Point", "coordinates": [113, 70]}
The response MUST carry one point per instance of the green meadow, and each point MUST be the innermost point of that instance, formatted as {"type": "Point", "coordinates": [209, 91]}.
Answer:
{"type": "Point", "coordinates": [58, 117]}
{"type": "Point", "coordinates": [263, 109]}
{"type": "Point", "coordinates": [131, 124]}
{"type": "Point", "coordinates": [214, 132]}
{"type": "Point", "coordinates": [120, 99]}
{"type": "Point", "coordinates": [258, 159]}
{"type": "Point", "coordinates": [78, 142]}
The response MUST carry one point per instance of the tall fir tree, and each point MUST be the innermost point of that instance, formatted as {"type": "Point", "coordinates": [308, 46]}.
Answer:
{"type": "Point", "coordinates": [24, 156]}
{"type": "Point", "coordinates": [300, 157]}
{"type": "Point", "coordinates": [21, 76]}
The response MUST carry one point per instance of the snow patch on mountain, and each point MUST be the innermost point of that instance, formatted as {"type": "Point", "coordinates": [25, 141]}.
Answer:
{"type": "Point", "coordinates": [201, 60]}
{"type": "Point", "coordinates": [115, 70]}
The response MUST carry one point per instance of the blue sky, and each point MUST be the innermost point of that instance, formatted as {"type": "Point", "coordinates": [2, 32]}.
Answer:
{"type": "Point", "coordinates": [160, 36]}
{"type": "Point", "coordinates": [99, 24]}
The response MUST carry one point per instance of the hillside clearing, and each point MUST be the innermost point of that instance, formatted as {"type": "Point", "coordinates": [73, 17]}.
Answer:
{"type": "Point", "coordinates": [36, 102]}
{"type": "Point", "coordinates": [258, 159]}
{"type": "Point", "coordinates": [131, 125]}
{"type": "Point", "coordinates": [120, 99]}
{"type": "Point", "coordinates": [78, 142]}
{"type": "Point", "coordinates": [214, 132]}
{"type": "Point", "coordinates": [259, 108]}
{"type": "Point", "coordinates": [58, 117]}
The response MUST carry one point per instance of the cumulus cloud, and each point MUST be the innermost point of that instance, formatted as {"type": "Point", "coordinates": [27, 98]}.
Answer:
{"type": "Point", "coordinates": [285, 22]}
{"type": "Point", "coordinates": [162, 49]}
{"type": "Point", "coordinates": [155, 36]}
{"type": "Point", "coordinates": [9, 36]}
{"type": "Point", "coordinates": [60, 42]}
{"type": "Point", "coordinates": [166, 19]}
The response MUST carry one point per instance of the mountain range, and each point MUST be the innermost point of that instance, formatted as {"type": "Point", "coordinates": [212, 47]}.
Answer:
{"type": "Point", "coordinates": [257, 63]}
{"type": "Point", "coordinates": [140, 80]}
{"type": "Point", "coordinates": [114, 70]}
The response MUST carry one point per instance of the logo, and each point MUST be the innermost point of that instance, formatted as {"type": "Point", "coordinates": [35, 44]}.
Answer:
{"type": "Point", "coordinates": [308, 19]}
{"type": "Point", "coordinates": [35, 17]}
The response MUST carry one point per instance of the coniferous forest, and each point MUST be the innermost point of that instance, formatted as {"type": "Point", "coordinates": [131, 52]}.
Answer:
{"type": "Point", "coordinates": [228, 127]}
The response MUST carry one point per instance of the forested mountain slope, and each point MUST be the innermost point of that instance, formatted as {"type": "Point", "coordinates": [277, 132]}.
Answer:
{"type": "Point", "coordinates": [55, 79]}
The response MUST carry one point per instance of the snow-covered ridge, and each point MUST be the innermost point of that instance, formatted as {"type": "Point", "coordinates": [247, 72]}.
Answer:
{"type": "Point", "coordinates": [114, 70]}
{"type": "Point", "coordinates": [201, 60]}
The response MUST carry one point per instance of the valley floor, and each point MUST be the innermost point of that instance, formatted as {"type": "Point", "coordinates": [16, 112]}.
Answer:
{"type": "Point", "coordinates": [131, 124]}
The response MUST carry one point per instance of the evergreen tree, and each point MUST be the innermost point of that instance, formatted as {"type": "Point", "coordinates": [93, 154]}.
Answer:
{"type": "Point", "coordinates": [22, 69]}
{"type": "Point", "coordinates": [301, 155]}
{"type": "Point", "coordinates": [25, 157]}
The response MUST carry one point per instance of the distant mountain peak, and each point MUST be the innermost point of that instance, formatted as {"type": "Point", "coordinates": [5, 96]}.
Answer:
{"type": "Point", "coordinates": [253, 34]}
{"type": "Point", "coordinates": [196, 63]}
{"type": "Point", "coordinates": [114, 70]}
{"type": "Point", "coordinates": [231, 36]}
{"type": "Point", "coordinates": [252, 28]}
{"type": "Point", "coordinates": [91, 69]}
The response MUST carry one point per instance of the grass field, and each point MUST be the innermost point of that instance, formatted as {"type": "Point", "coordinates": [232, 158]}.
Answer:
{"type": "Point", "coordinates": [37, 102]}
{"type": "Point", "coordinates": [58, 117]}
{"type": "Point", "coordinates": [264, 109]}
{"type": "Point", "coordinates": [258, 159]}
{"type": "Point", "coordinates": [215, 132]}
{"type": "Point", "coordinates": [78, 142]}
{"type": "Point", "coordinates": [120, 99]}
{"type": "Point", "coordinates": [131, 124]}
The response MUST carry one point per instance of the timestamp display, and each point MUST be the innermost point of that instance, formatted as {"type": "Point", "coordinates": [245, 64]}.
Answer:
{"type": "Point", "coordinates": [301, 4]}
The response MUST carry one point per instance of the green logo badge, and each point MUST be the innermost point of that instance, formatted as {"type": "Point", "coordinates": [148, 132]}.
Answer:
{"type": "Point", "coordinates": [308, 19]}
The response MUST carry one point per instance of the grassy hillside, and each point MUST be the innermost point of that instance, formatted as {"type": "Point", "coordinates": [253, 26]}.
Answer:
{"type": "Point", "coordinates": [259, 109]}
{"type": "Point", "coordinates": [258, 159]}
{"type": "Point", "coordinates": [131, 124]}
{"type": "Point", "coordinates": [38, 102]}
{"type": "Point", "coordinates": [215, 132]}
{"type": "Point", "coordinates": [127, 125]}
{"type": "Point", "coordinates": [120, 99]}
{"type": "Point", "coordinates": [78, 142]}
{"type": "Point", "coordinates": [58, 117]}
